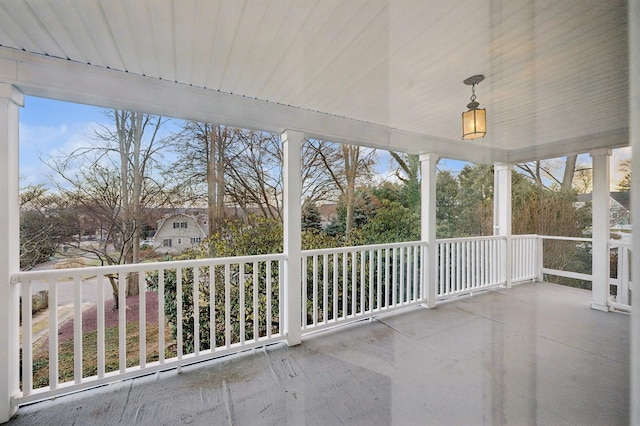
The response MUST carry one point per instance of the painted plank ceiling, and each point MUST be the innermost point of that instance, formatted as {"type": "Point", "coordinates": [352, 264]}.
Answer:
{"type": "Point", "coordinates": [555, 70]}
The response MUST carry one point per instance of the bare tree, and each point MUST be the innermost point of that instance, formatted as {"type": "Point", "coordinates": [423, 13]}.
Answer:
{"type": "Point", "coordinates": [46, 222]}
{"type": "Point", "coordinates": [203, 154]}
{"type": "Point", "coordinates": [321, 168]}
{"type": "Point", "coordinates": [254, 172]}
{"type": "Point", "coordinates": [346, 166]}
{"type": "Point", "coordinates": [545, 173]}
{"type": "Point", "coordinates": [624, 166]}
{"type": "Point", "coordinates": [113, 182]}
{"type": "Point", "coordinates": [583, 179]}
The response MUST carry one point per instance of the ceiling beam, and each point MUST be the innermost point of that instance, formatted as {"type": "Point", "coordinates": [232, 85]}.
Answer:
{"type": "Point", "coordinates": [615, 138]}
{"type": "Point", "coordinates": [39, 75]}
{"type": "Point", "coordinates": [448, 148]}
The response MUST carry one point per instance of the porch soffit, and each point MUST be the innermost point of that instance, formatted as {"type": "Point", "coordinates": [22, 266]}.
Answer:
{"type": "Point", "coordinates": [385, 73]}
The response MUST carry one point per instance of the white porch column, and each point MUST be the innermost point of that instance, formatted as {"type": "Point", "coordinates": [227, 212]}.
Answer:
{"type": "Point", "coordinates": [10, 101]}
{"type": "Point", "coordinates": [634, 139]}
{"type": "Point", "coordinates": [502, 214]}
{"type": "Point", "coordinates": [291, 147]}
{"type": "Point", "coordinates": [428, 225]}
{"type": "Point", "coordinates": [600, 226]}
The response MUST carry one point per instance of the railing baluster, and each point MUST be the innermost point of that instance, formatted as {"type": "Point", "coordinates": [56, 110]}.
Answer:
{"type": "Point", "coordinates": [379, 281]}
{"type": "Point", "coordinates": [440, 259]}
{"type": "Point", "coordinates": [394, 277]}
{"type": "Point", "coordinates": [241, 279]}
{"type": "Point", "coordinates": [458, 266]}
{"type": "Point", "coordinates": [325, 288]}
{"type": "Point", "coordinates": [370, 281]}
{"type": "Point", "coordinates": [467, 266]}
{"type": "Point", "coordinates": [354, 281]}
{"type": "Point", "coordinates": [122, 322]}
{"type": "Point", "coordinates": [227, 305]}
{"type": "Point", "coordinates": [212, 307]}
{"type": "Point", "coordinates": [256, 316]}
{"type": "Point", "coordinates": [281, 296]}
{"type": "Point", "coordinates": [416, 250]}
{"type": "Point", "coordinates": [447, 268]}
{"type": "Point", "coordinates": [142, 319]}
{"type": "Point", "coordinates": [27, 338]}
{"type": "Point", "coordinates": [268, 289]}
{"type": "Point", "coordinates": [196, 310]}
{"type": "Point", "coordinates": [363, 255]}
{"type": "Point", "coordinates": [77, 329]}
{"type": "Point", "coordinates": [402, 267]}
{"type": "Point", "coordinates": [179, 316]}
{"type": "Point", "coordinates": [315, 290]}
{"type": "Point", "coordinates": [100, 346]}
{"type": "Point", "coordinates": [53, 334]}
{"type": "Point", "coordinates": [305, 295]}
{"type": "Point", "coordinates": [161, 342]}
{"type": "Point", "coordinates": [387, 272]}
{"type": "Point", "coordinates": [335, 286]}
{"type": "Point", "coordinates": [345, 287]}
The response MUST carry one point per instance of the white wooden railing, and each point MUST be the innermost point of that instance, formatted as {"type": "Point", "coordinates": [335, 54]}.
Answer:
{"type": "Point", "coordinates": [338, 285]}
{"type": "Point", "coordinates": [526, 258]}
{"type": "Point", "coordinates": [469, 264]}
{"type": "Point", "coordinates": [246, 288]}
{"type": "Point", "coordinates": [621, 300]}
{"type": "Point", "coordinates": [564, 272]}
{"type": "Point", "coordinates": [350, 283]}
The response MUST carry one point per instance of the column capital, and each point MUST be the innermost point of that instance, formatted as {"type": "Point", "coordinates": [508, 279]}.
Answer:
{"type": "Point", "coordinates": [11, 92]}
{"type": "Point", "coordinates": [292, 135]}
{"type": "Point", "coordinates": [599, 152]}
{"type": "Point", "coordinates": [502, 166]}
{"type": "Point", "coordinates": [429, 156]}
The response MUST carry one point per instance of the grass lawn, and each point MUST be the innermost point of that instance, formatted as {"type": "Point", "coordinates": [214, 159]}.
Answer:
{"type": "Point", "coordinates": [89, 353]}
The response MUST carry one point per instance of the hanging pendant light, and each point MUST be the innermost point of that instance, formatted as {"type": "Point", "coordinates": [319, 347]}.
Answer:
{"type": "Point", "coordinates": [474, 121]}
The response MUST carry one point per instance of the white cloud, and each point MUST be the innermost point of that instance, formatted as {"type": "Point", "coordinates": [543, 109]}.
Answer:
{"type": "Point", "coordinates": [39, 144]}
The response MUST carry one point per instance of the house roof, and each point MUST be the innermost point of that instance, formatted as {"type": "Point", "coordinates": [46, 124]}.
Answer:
{"type": "Point", "coordinates": [386, 73]}
{"type": "Point", "coordinates": [623, 198]}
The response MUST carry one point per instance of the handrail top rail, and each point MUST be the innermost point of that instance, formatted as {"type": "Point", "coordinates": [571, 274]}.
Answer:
{"type": "Point", "coordinates": [556, 237]}
{"type": "Point", "coordinates": [140, 267]}
{"type": "Point", "coordinates": [330, 250]}
{"type": "Point", "coordinates": [618, 243]}
{"type": "Point", "coordinates": [487, 237]}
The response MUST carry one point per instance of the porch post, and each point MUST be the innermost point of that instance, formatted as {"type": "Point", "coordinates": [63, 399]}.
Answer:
{"type": "Point", "coordinates": [634, 139]}
{"type": "Point", "coordinates": [502, 215]}
{"type": "Point", "coordinates": [600, 226]}
{"type": "Point", "coordinates": [428, 225]}
{"type": "Point", "coordinates": [292, 218]}
{"type": "Point", "coordinates": [10, 101]}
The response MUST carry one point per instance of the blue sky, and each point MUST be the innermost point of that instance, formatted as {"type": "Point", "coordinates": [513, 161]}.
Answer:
{"type": "Point", "coordinates": [49, 127]}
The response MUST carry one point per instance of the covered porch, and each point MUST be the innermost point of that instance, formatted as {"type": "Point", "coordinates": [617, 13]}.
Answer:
{"type": "Point", "coordinates": [532, 354]}
{"type": "Point", "coordinates": [369, 73]}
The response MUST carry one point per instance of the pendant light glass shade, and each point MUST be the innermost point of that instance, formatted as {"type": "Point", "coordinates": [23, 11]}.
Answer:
{"type": "Point", "coordinates": [474, 123]}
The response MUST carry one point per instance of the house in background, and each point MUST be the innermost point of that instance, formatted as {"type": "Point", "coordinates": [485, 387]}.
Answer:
{"type": "Point", "coordinates": [619, 207]}
{"type": "Point", "coordinates": [179, 232]}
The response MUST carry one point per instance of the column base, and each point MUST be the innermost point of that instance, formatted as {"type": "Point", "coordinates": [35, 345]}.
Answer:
{"type": "Point", "coordinates": [599, 307]}
{"type": "Point", "coordinates": [429, 305]}
{"type": "Point", "coordinates": [293, 340]}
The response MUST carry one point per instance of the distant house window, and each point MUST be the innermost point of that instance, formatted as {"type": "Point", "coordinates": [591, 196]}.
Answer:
{"type": "Point", "coordinates": [179, 241]}
{"type": "Point", "coordinates": [178, 225]}
{"type": "Point", "coordinates": [166, 242]}
{"type": "Point", "coordinates": [196, 240]}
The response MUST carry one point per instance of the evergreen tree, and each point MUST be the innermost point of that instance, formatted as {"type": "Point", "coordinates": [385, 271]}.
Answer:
{"type": "Point", "coordinates": [311, 220]}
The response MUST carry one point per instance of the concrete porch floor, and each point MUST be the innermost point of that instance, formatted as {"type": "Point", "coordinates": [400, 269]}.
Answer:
{"type": "Point", "coordinates": [534, 354]}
